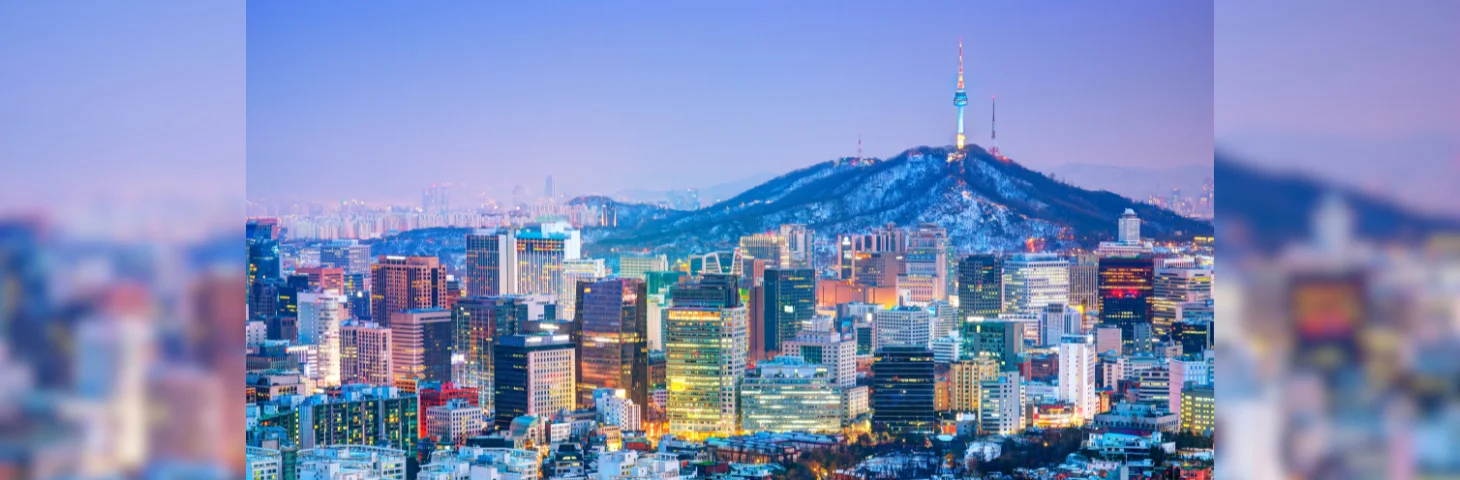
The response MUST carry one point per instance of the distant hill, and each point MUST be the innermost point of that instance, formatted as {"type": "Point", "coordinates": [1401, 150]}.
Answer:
{"type": "Point", "coordinates": [1135, 182]}
{"type": "Point", "coordinates": [984, 202]}
{"type": "Point", "coordinates": [1267, 210]}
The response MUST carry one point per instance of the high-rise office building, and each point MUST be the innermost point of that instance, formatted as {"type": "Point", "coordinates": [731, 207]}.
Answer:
{"type": "Point", "coordinates": [1130, 227]}
{"type": "Point", "coordinates": [1057, 320]}
{"type": "Point", "coordinates": [262, 239]}
{"type": "Point", "coordinates": [320, 316]}
{"type": "Point", "coordinates": [435, 394]}
{"type": "Point", "coordinates": [479, 321]}
{"type": "Point", "coordinates": [1085, 286]}
{"type": "Point", "coordinates": [903, 325]}
{"type": "Point", "coordinates": [789, 394]}
{"type": "Point", "coordinates": [1126, 284]}
{"type": "Point", "coordinates": [980, 286]}
{"type": "Point", "coordinates": [491, 263]}
{"type": "Point", "coordinates": [638, 266]}
{"type": "Point", "coordinates": [799, 243]}
{"type": "Point", "coordinates": [965, 380]}
{"type": "Point", "coordinates": [705, 348]}
{"type": "Point", "coordinates": [453, 422]}
{"type": "Point", "coordinates": [365, 353]}
{"type": "Point", "coordinates": [611, 333]}
{"type": "Point", "coordinates": [925, 273]}
{"type": "Point", "coordinates": [347, 254]}
{"type": "Point", "coordinates": [1033, 280]}
{"type": "Point", "coordinates": [766, 246]}
{"type": "Point", "coordinates": [324, 278]}
{"type": "Point", "coordinates": [1001, 404]}
{"type": "Point", "coordinates": [574, 271]}
{"type": "Point", "coordinates": [1001, 340]}
{"type": "Point", "coordinates": [541, 251]}
{"type": "Point", "coordinates": [1077, 374]}
{"type": "Point", "coordinates": [789, 304]}
{"type": "Point", "coordinates": [534, 376]}
{"type": "Point", "coordinates": [405, 283]}
{"type": "Point", "coordinates": [422, 341]}
{"type": "Point", "coordinates": [711, 291]}
{"type": "Point", "coordinates": [902, 390]}
{"type": "Point", "coordinates": [838, 353]}
{"type": "Point", "coordinates": [880, 269]}
{"type": "Point", "coordinates": [886, 239]}
{"type": "Point", "coordinates": [1177, 286]}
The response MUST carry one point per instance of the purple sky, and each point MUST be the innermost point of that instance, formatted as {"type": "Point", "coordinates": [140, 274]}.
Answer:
{"type": "Point", "coordinates": [377, 100]}
{"type": "Point", "coordinates": [123, 104]}
{"type": "Point", "coordinates": [1366, 93]}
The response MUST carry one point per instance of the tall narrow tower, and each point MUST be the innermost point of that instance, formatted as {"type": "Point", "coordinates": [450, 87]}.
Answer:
{"type": "Point", "coordinates": [960, 97]}
{"type": "Point", "coordinates": [993, 130]}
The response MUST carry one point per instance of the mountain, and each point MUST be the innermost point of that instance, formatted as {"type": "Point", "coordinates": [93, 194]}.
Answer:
{"type": "Point", "coordinates": [1135, 182]}
{"type": "Point", "coordinates": [708, 194]}
{"type": "Point", "coordinates": [1267, 210]}
{"type": "Point", "coordinates": [984, 202]}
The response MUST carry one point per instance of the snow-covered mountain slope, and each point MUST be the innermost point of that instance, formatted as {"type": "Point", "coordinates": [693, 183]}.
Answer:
{"type": "Point", "coordinates": [984, 202]}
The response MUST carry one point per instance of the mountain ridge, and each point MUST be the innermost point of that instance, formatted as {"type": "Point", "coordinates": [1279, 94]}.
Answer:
{"type": "Point", "coordinates": [986, 203]}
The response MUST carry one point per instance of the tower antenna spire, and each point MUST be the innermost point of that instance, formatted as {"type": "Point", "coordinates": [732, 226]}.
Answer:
{"type": "Point", "coordinates": [993, 129]}
{"type": "Point", "coordinates": [859, 147]}
{"type": "Point", "coordinates": [960, 63]}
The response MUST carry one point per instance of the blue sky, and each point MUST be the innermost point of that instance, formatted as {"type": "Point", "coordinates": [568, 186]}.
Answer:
{"type": "Point", "coordinates": [377, 100]}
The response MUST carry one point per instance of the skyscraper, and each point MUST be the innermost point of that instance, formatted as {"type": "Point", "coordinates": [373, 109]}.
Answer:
{"type": "Point", "coordinates": [902, 390]}
{"type": "Point", "coordinates": [347, 254]}
{"type": "Point", "coordinates": [902, 325]}
{"type": "Point", "coordinates": [886, 239]}
{"type": "Point", "coordinates": [789, 304]}
{"type": "Point", "coordinates": [365, 353]}
{"type": "Point", "coordinates": [262, 239]}
{"type": "Point", "coordinates": [799, 243]}
{"type": "Point", "coordinates": [406, 283]}
{"type": "Point", "coordinates": [1130, 228]}
{"type": "Point", "coordinates": [926, 264]}
{"type": "Point", "coordinates": [836, 352]}
{"type": "Point", "coordinates": [1077, 374]}
{"type": "Point", "coordinates": [541, 251]}
{"type": "Point", "coordinates": [534, 376]}
{"type": "Point", "coordinates": [574, 271]}
{"type": "Point", "coordinates": [1033, 280]}
{"type": "Point", "coordinates": [1126, 285]}
{"type": "Point", "coordinates": [980, 286]}
{"type": "Point", "coordinates": [1001, 340]}
{"type": "Point", "coordinates": [1176, 287]}
{"type": "Point", "coordinates": [766, 246]}
{"type": "Point", "coordinates": [479, 321]}
{"type": "Point", "coordinates": [423, 341]}
{"type": "Point", "coordinates": [1056, 321]}
{"type": "Point", "coordinates": [705, 347]}
{"type": "Point", "coordinates": [1001, 404]}
{"type": "Point", "coordinates": [965, 378]}
{"type": "Point", "coordinates": [611, 332]}
{"type": "Point", "coordinates": [638, 266]}
{"type": "Point", "coordinates": [491, 263]}
{"type": "Point", "coordinates": [320, 315]}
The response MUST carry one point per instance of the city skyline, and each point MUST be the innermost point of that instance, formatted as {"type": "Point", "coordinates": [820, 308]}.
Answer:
{"type": "Point", "coordinates": [692, 102]}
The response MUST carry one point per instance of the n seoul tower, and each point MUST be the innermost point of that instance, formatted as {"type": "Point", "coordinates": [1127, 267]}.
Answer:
{"type": "Point", "coordinates": [960, 97]}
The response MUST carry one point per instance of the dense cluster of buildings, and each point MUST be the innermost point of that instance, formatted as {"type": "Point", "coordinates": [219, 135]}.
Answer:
{"type": "Point", "coordinates": [532, 359]}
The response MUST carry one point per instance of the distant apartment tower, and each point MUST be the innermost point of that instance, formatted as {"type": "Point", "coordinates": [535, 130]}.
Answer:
{"type": "Point", "coordinates": [789, 394]}
{"type": "Point", "coordinates": [320, 316]}
{"type": "Point", "coordinates": [789, 303]}
{"type": "Point", "coordinates": [705, 350]}
{"type": "Point", "coordinates": [574, 271]}
{"type": "Point", "coordinates": [422, 341]}
{"type": "Point", "coordinates": [611, 333]}
{"type": "Point", "coordinates": [478, 322]}
{"type": "Point", "coordinates": [638, 266]}
{"type": "Point", "coordinates": [365, 353]}
{"type": "Point", "coordinates": [903, 389]}
{"type": "Point", "coordinates": [491, 263]}
{"type": "Point", "coordinates": [836, 352]}
{"type": "Point", "coordinates": [1126, 285]}
{"type": "Point", "coordinates": [1033, 280]}
{"type": "Point", "coordinates": [1077, 374]}
{"type": "Point", "coordinates": [925, 273]}
{"type": "Point", "coordinates": [980, 286]}
{"type": "Point", "coordinates": [534, 376]}
{"type": "Point", "coordinates": [799, 245]}
{"type": "Point", "coordinates": [405, 283]}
